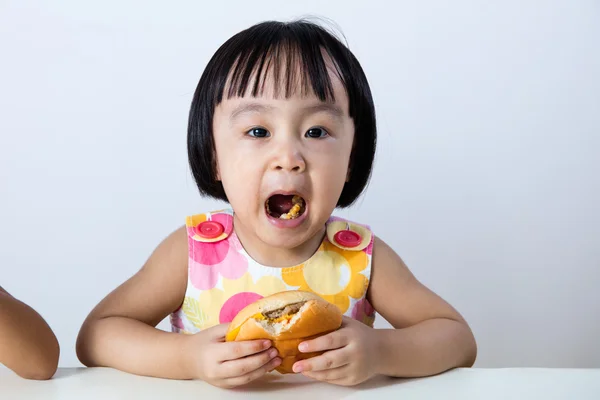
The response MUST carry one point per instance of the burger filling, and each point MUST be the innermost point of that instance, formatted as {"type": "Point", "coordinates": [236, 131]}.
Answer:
{"type": "Point", "coordinates": [288, 310]}
{"type": "Point", "coordinates": [285, 206]}
{"type": "Point", "coordinates": [275, 320]}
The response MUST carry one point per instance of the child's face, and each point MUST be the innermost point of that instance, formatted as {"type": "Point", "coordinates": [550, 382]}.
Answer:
{"type": "Point", "coordinates": [268, 145]}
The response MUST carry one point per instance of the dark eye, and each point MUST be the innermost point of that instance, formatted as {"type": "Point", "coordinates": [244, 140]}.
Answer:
{"type": "Point", "coordinates": [258, 132]}
{"type": "Point", "coordinates": [316, 133]}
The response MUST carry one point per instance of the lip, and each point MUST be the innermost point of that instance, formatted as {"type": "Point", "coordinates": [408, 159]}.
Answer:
{"type": "Point", "coordinates": [288, 223]}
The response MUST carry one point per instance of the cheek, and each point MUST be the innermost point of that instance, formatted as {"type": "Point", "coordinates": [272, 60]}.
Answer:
{"type": "Point", "coordinates": [240, 179]}
{"type": "Point", "coordinates": [330, 176]}
{"type": "Point", "coordinates": [230, 158]}
{"type": "Point", "coordinates": [236, 173]}
{"type": "Point", "coordinates": [336, 161]}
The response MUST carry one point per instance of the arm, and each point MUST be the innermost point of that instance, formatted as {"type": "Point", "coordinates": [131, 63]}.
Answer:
{"type": "Point", "coordinates": [430, 336]}
{"type": "Point", "coordinates": [27, 344]}
{"type": "Point", "coordinates": [121, 331]}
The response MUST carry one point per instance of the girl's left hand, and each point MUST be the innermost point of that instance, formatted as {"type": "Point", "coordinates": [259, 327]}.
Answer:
{"type": "Point", "coordinates": [350, 355]}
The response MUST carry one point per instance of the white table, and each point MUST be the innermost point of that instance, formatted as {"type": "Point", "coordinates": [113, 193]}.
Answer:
{"type": "Point", "coordinates": [464, 384]}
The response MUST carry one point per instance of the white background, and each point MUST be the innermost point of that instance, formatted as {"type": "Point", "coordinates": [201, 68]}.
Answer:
{"type": "Point", "coordinates": [486, 180]}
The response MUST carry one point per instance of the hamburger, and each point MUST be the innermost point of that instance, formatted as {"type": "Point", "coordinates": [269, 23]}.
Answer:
{"type": "Point", "coordinates": [287, 319]}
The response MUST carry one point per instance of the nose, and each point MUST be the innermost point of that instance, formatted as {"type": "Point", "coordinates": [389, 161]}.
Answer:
{"type": "Point", "coordinates": [288, 157]}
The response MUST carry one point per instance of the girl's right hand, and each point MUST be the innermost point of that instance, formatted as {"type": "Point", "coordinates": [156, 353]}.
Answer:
{"type": "Point", "coordinates": [228, 364]}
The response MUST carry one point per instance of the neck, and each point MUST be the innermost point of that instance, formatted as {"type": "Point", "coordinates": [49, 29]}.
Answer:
{"type": "Point", "coordinates": [281, 257]}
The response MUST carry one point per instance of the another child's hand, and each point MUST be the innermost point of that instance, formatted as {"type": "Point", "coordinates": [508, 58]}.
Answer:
{"type": "Point", "coordinates": [349, 358]}
{"type": "Point", "coordinates": [228, 364]}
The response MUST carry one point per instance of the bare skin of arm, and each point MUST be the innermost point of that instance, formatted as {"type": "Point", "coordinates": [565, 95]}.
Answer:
{"type": "Point", "coordinates": [27, 344]}
{"type": "Point", "coordinates": [121, 331]}
{"type": "Point", "coordinates": [430, 336]}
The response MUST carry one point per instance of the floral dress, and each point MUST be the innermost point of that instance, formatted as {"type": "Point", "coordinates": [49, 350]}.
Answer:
{"type": "Point", "coordinates": [223, 278]}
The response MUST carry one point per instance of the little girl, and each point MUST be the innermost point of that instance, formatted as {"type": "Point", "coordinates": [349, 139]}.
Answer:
{"type": "Point", "coordinates": [281, 127]}
{"type": "Point", "coordinates": [27, 344]}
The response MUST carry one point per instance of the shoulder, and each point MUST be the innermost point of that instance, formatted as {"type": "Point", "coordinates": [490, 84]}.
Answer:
{"type": "Point", "coordinates": [207, 227]}
{"type": "Point", "coordinates": [388, 266]}
{"type": "Point", "coordinates": [389, 272]}
{"type": "Point", "coordinates": [413, 301]}
{"type": "Point", "coordinates": [349, 235]}
{"type": "Point", "coordinates": [164, 271]}
{"type": "Point", "coordinates": [385, 256]}
{"type": "Point", "coordinates": [173, 248]}
{"type": "Point", "coordinates": [170, 254]}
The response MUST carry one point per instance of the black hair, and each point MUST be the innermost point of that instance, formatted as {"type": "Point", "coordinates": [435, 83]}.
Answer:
{"type": "Point", "coordinates": [273, 44]}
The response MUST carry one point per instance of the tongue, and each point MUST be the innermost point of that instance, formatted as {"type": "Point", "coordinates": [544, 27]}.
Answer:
{"type": "Point", "coordinates": [280, 204]}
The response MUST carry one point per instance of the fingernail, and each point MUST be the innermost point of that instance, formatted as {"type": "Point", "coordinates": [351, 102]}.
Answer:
{"type": "Point", "coordinates": [302, 346]}
{"type": "Point", "coordinates": [298, 368]}
{"type": "Point", "coordinates": [267, 344]}
{"type": "Point", "coordinates": [276, 362]}
{"type": "Point", "coordinates": [273, 353]}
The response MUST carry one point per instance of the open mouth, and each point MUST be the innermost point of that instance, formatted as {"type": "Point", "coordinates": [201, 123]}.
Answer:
{"type": "Point", "coordinates": [285, 206]}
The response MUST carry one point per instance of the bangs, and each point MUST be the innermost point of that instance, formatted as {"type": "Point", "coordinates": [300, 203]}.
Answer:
{"type": "Point", "coordinates": [297, 61]}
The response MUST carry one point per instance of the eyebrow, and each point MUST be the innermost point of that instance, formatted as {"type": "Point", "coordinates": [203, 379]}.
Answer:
{"type": "Point", "coordinates": [247, 108]}
{"type": "Point", "coordinates": [328, 108]}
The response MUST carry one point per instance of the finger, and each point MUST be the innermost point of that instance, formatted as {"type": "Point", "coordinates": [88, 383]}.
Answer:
{"type": "Point", "coordinates": [243, 366]}
{"type": "Point", "coordinates": [328, 360]}
{"type": "Point", "coordinates": [217, 332]}
{"type": "Point", "coordinates": [350, 323]}
{"type": "Point", "coordinates": [331, 341]}
{"type": "Point", "coordinates": [328, 375]}
{"type": "Point", "coordinates": [235, 350]}
{"type": "Point", "coordinates": [253, 375]}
